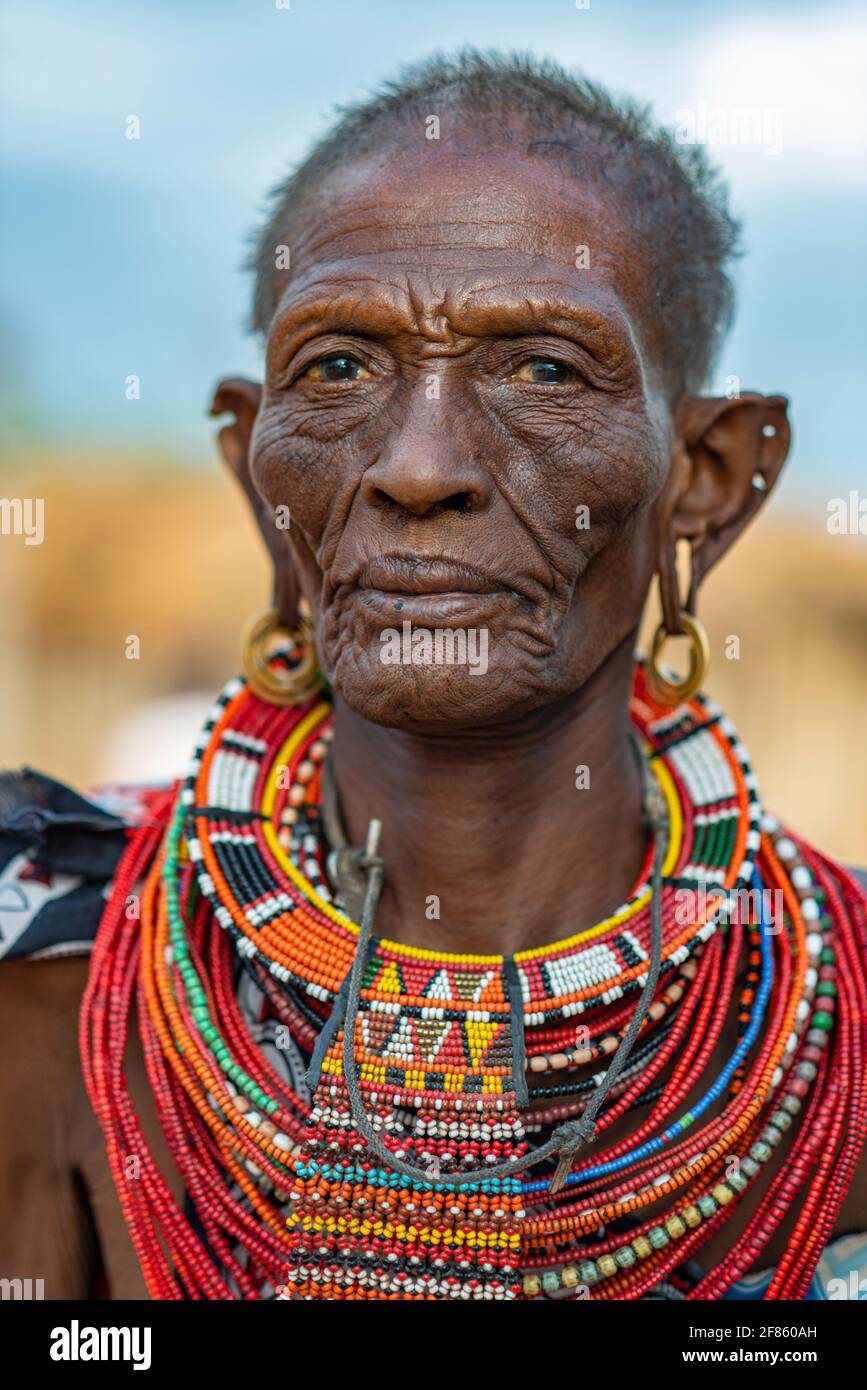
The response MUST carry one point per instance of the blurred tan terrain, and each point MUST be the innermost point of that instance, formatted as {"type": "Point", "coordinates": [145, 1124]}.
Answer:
{"type": "Point", "coordinates": [172, 558]}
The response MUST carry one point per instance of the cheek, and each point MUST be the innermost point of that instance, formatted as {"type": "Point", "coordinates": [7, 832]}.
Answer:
{"type": "Point", "coordinates": [311, 461]}
{"type": "Point", "coordinates": [585, 479]}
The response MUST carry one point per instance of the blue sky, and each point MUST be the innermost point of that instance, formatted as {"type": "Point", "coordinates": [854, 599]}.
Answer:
{"type": "Point", "coordinates": [124, 256]}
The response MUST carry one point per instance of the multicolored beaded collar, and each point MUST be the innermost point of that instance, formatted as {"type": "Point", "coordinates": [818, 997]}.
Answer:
{"type": "Point", "coordinates": [289, 1198]}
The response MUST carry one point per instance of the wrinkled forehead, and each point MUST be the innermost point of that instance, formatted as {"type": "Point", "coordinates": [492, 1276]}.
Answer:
{"type": "Point", "coordinates": [455, 229]}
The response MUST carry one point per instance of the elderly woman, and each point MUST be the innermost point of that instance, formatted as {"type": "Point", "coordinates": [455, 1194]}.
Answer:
{"type": "Point", "coordinates": [462, 963]}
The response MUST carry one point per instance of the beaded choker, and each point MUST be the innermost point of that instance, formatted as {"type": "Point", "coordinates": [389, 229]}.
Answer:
{"type": "Point", "coordinates": [423, 1170]}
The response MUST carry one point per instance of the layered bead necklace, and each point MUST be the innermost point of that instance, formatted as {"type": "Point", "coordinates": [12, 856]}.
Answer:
{"type": "Point", "coordinates": [416, 1162]}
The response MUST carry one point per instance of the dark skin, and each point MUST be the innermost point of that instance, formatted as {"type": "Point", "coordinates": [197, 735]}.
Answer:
{"type": "Point", "coordinates": [460, 278]}
{"type": "Point", "coordinates": [453, 506]}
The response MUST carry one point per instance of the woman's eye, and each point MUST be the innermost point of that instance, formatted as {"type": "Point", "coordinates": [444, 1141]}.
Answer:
{"type": "Point", "coordinates": [340, 367]}
{"type": "Point", "coordinates": [542, 371]}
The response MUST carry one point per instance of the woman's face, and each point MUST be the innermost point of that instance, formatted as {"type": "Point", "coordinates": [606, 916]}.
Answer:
{"type": "Point", "coordinates": [465, 414]}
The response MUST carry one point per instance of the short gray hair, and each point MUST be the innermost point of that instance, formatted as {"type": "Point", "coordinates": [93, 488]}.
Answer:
{"type": "Point", "coordinates": [680, 202]}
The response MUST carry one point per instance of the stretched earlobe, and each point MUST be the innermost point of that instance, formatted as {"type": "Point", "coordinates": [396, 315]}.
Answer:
{"type": "Point", "coordinates": [241, 398]}
{"type": "Point", "coordinates": [669, 590]}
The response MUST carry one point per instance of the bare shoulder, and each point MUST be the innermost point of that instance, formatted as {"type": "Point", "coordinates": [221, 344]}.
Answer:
{"type": "Point", "coordinates": [45, 1230]}
{"type": "Point", "coordinates": [60, 1218]}
{"type": "Point", "coordinates": [39, 1007]}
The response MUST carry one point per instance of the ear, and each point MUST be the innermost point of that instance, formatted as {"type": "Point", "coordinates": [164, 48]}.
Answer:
{"type": "Point", "coordinates": [726, 458]}
{"type": "Point", "coordinates": [241, 398]}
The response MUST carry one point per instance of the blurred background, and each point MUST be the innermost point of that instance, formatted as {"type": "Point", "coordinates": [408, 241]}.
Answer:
{"type": "Point", "coordinates": [124, 259]}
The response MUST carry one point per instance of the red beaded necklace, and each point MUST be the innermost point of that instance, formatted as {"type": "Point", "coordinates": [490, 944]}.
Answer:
{"type": "Point", "coordinates": [417, 1173]}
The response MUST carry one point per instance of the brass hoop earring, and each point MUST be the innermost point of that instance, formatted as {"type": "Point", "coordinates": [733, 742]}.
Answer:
{"type": "Point", "coordinates": [280, 685]}
{"type": "Point", "coordinates": [669, 692]}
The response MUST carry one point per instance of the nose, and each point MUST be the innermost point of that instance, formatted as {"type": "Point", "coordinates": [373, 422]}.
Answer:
{"type": "Point", "coordinates": [428, 465]}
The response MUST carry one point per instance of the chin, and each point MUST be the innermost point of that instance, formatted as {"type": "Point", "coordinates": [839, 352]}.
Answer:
{"type": "Point", "coordinates": [489, 687]}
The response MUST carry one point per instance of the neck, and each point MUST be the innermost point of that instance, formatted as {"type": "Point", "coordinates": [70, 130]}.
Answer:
{"type": "Point", "coordinates": [489, 845]}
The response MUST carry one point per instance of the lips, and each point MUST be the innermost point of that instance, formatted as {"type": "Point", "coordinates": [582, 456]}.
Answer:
{"type": "Point", "coordinates": [407, 574]}
{"type": "Point", "coordinates": [428, 592]}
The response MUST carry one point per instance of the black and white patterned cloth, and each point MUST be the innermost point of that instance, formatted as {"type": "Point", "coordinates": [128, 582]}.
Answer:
{"type": "Point", "coordinates": [59, 852]}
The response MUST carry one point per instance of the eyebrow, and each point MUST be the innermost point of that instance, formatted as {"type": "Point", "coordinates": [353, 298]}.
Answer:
{"type": "Point", "coordinates": [374, 307]}
{"type": "Point", "coordinates": [551, 309]}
